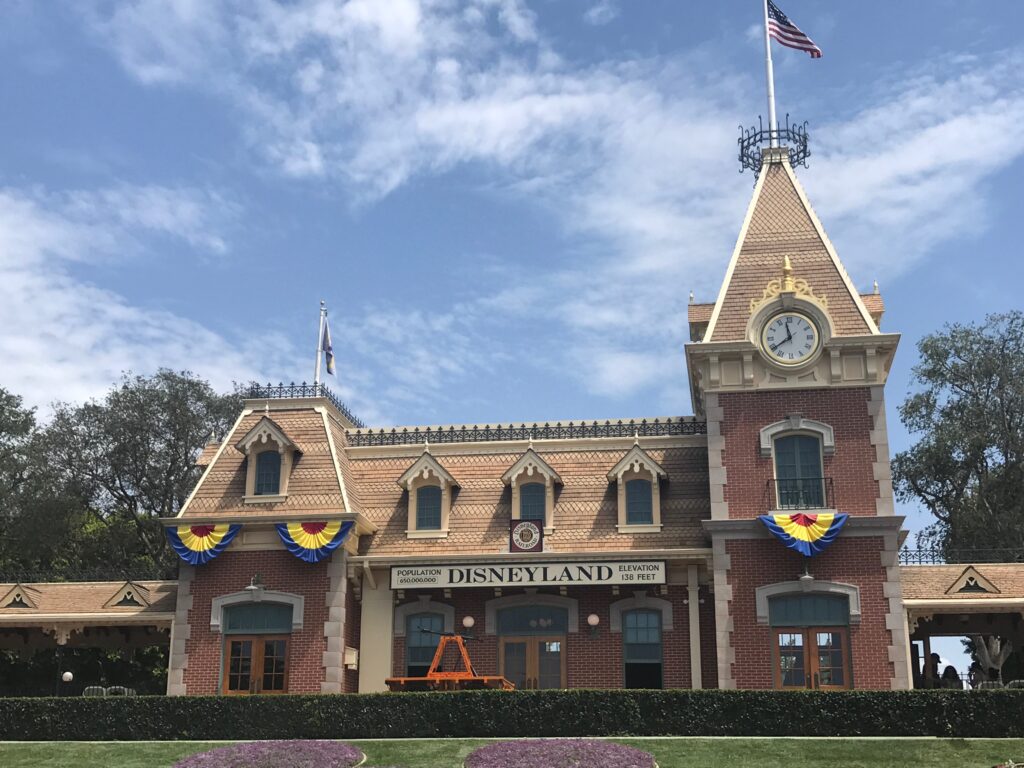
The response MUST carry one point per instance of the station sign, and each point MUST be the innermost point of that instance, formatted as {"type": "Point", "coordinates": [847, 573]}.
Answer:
{"type": "Point", "coordinates": [553, 574]}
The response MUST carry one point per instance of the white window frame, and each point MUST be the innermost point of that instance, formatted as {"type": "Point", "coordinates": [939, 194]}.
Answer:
{"type": "Point", "coordinates": [531, 468]}
{"type": "Point", "coordinates": [427, 471]}
{"type": "Point", "coordinates": [638, 465]}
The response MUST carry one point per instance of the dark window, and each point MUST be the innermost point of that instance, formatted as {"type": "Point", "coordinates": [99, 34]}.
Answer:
{"type": "Point", "coordinates": [533, 620]}
{"type": "Point", "coordinates": [257, 618]}
{"type": "Point", "coordinates": [421, 645]}
{"type": "Point", "coordinates": [798, 472]}
{"type": "Point", "coordinates": [268, 473]}
{"type": "Point", "coordinates": [532, 501]}
{"type": "Point", "coordinates": [639, 502]}
{"type": "Point", "coordinates": [809, 611]}
{"type": "Point", "coordinates": [428, 508]}
{"type": "Point", "coordinates": [641, 648]}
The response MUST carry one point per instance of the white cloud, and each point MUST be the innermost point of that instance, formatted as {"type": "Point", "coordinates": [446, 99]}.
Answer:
{"type": "Point", "coordinates": [601, 13]}
{"type": "Point", "coordinates": [68, 339]}
{"type": "Point", "coordinates": [634, 156]}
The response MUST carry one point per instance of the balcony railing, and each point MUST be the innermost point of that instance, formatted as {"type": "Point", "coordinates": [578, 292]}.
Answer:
{"type": "Point", "coordinates": [800, 493]}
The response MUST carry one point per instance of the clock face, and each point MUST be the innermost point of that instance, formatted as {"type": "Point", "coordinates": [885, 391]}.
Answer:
{"type": "Point", "coordinates": [790, 338]}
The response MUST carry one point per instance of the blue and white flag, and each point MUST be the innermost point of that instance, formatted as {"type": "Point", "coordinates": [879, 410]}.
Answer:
{"type": "Point", "coordinates": [325, 345]}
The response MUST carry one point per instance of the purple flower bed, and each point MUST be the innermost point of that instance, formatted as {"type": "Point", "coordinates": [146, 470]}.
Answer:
{"type": "Point", "coordinates": [276, 754]}
{"type": "Point", "coordinates": [559, 753]}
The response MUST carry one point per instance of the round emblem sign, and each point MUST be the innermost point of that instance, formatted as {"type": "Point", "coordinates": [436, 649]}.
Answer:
{"type": "Point", "coordinates": [526, 535]}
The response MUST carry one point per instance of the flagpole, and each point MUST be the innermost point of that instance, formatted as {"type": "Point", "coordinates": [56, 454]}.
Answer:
{"type": "Point", "coordinates": [769, 72]}
{"type": "Point", "coordinates": [320, 343]}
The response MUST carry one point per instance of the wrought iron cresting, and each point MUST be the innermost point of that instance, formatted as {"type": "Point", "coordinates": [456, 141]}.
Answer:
{"type": "Point", "coordinates": [293, 390]}
{"type": "Point", "coordinates": [791, 137]}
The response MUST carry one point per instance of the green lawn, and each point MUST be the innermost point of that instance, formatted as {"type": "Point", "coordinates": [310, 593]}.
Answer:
{"type": "Point", "coordinates": [670, 753]}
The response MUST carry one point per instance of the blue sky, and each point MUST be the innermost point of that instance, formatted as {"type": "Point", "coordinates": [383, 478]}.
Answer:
{"type": "Point", "coordinates": [504, 203]}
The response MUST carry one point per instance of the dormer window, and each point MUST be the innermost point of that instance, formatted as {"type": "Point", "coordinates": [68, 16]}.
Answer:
{"type": "Point", "coordinates": [639, 494]}
{"type": "Point", "coordinates": [430, 488]}
{"type": "Point", "coordinates": [271, 456]}
{"type": "Point", "coordinates": [268, 473]}
{"type": "Point", "coordinates": [533, 481]}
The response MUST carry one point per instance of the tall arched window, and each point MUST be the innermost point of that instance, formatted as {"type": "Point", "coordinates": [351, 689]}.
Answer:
{"type": "Point", "coordinates": [641, 648]}
{"type": "Point", "coordinates": [428, 508]}
{"type": "Point", "coordinates": [531, 501]}
{"type": "Point", "coordinates": [798, 472]}
{"type": "Point", "coordinates": [639, 502]}
{"type": "Point", "coordinates": [422, 634]}
{"type": "Point", "coordinates": [268, 473]}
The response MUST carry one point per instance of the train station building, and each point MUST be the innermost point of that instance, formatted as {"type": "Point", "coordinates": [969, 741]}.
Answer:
{"type": "Point", "coordinates": [752, 544]}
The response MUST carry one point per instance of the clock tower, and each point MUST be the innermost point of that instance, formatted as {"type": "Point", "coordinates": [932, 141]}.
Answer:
{"type": "Point", "coordinates": [788, 366]}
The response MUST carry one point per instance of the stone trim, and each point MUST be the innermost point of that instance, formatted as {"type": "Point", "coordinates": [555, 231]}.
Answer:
{"type": "Point", "coordinates": [693, 606]}
{"type": "Point", "coordinates": [423, 604]}
{"type": "Point", "coordinates": [334, 627]}
{"type": "Point", "coordinates": [491, 608]}
{"type": "Point", "coordinates": [640, 600]}
{"type": "Point", "coordinates": [881, 468]}
{"type": "Point", "coordinates": [896, 617]}
{"type": "Point", "coordinates": [795, 422]}
{"type": "Point", "coordinates": [177, 656]}
{"type": "Point", "coordinates": [259, 595]}
{"type": "Point", "coordinates": [721, 562]}
{"type": "Point", "coordinates": [764, 593]}
{"type": "Point", "coordinates": [717, 476]}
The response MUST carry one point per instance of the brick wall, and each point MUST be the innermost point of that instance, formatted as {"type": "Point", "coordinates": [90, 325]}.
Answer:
{"type": "Point", "coordinates": [849, 560]}
{"type": "Point", "coordinates": [280, 572]}
{"type": "Point", "coordinates": [749, 474]}
{"type": "Point", "coordinates": [591, 661]}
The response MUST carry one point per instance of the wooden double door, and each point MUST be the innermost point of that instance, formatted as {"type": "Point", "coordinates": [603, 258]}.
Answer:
{"type": "Point", "coordinates": [534, 662]}
{"type": "Point", "coordinates": [812, 657]}
{"type": "Point", "coordinates": [255, 664]}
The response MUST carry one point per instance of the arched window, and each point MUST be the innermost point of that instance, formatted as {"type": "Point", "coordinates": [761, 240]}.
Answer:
{"type": "Point", "coordinates": [531, 501]}
{"type": "Point", "coordinates": [268, 473]}
{"type": "Point", "coordinates": [256, 647]}
{"type": "Point", "coordinates": [639, 503]}
{"type": "Point", "coordinates": [798, 473]}
{"type": "Point", "coordinates": [428, 508]}
{"type": "Point", "coordinates": [641, 648]}
{"type": "Point", "coordinates": [422, 634]}
{"type": "Point", "coordinates": [812, 640]}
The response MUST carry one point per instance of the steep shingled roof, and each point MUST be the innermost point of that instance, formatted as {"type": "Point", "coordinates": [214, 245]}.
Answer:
{"type": "Point", "coordinates": [780, 222]}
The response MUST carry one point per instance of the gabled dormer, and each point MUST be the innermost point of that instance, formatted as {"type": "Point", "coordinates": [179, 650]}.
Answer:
{"type": "Point", "coordinates": [430, 487]}
{"type": "Point", "coordinates": [533, 481]}
{"type": "Point", "coordinates": [270, 457]}
{"type": "Point", "coordinates": [638, 478]}
{"type": "Point", "coordinates": [972, 581]}
{"type": "Point", "coordinates": [129, 595]}
{"type": "Point", "coordinates": [19, 596]}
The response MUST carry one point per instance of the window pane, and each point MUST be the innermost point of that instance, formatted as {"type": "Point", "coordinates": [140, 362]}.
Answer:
{"type": "Point", "coordinates": [831, 669]}
{"type": "Point", "coordinates": [641, 636]}
{"type": "Point", "coordinates": [809, 610]}
{"type": "Point", "coordinates": [798, 472]}
{"type": "Point", "coordinates": [428, 508]}
{"type": "Point", "coordinates": [639, 502]}
{"type": "Point", "coordinates": [239, 665]}
{"type": "Point", "coordinates": [533, 620]}
{"type": "Point", "coordinates": [791, 660]}
{"type": "Point", "coordinates": [268, 473]}
{"type": "Point", "coordinates": [531, 501]}
{"type": "Point", "coordinates": [421, 639]}
{"type": "Point", "coordinates": [258, 618]}
{"type": "Point", "coordinates": [274, 664]}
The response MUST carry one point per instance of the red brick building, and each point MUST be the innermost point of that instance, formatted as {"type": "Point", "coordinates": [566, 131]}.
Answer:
{"type": "Point", "coordinates": [653, 570]}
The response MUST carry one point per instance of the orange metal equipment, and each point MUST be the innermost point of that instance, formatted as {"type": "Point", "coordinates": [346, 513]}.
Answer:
{"type": "Point", "coordinates": [456, 680]}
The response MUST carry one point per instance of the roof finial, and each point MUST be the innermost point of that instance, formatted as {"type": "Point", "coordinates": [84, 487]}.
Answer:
{"type": "Point", "coordinates": [876, 287]}
{"type": "Point", "coordinates": [426, 444]}
{"type": "Point", "coordinates": [531, 441]}
{"type": "Point", "coordinates": [636, 436]}
{"type": "Point", "coordinates": [691, 297]}
{"type": "Point", "coordinates": [266, 408]}
{"type": "Point", "coordinates": [788, 285]}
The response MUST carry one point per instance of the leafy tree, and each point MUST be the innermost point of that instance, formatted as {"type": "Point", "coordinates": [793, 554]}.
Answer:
{"type": "Point", "coordinates": [132, 454]}
{"type": "Point", "coordinates": [967, 467]}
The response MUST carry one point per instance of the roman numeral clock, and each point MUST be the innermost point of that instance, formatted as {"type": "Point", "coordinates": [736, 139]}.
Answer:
{"type": "Point", "coordinates": [790, 338]}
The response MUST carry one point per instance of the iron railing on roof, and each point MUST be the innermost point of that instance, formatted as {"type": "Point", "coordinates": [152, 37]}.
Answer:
{"type": "Point", "coordinates": [557, 431]}
{"type": "Point", "coordinates": [790, 136]}
{"type": "Point", "coordinates": [958, 556]}
{"type": "Point", "coordinates": [293, 390]}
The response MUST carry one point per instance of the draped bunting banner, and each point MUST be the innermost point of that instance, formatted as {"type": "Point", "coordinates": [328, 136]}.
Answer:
{"type": "Point", "coordinates": [807, 534]}
{"type": "Point", "coordinates": [313, 542]}
{"type": "Point", "coordinates": [199, 544]}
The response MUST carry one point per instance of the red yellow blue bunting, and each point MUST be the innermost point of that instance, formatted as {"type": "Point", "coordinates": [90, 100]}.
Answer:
{"type": "Point", "coordinates": [807, 534]}
{"type": "Point", "coordinates": [199, 544]}
{"type": "Point", "coordinates": [314, 541]}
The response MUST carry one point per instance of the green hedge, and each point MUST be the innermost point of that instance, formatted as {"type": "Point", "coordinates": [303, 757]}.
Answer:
{"type": "Point", "coordinates": [519, 713]}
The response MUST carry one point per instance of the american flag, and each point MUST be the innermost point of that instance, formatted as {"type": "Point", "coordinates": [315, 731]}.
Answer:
{"type": "Point", "coordinates": [788, 33]}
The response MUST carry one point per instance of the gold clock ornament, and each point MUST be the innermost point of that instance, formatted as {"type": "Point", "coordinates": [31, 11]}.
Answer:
{"type": "Point", "coordinates": [790, 338]}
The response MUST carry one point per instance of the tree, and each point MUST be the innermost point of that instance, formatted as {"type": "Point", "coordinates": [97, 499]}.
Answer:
{"type": "Point", "coordinates": [132, 455]}
{"type": "Point", "coordinates": [967, 467]}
